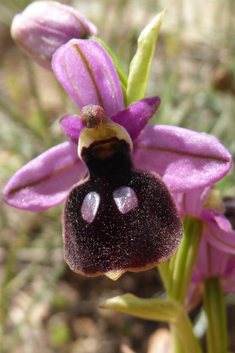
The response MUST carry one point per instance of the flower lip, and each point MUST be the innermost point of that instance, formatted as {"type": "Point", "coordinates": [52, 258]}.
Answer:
{"type": "Point", "coordinates": [118, 219]}
{"type": "Point", "coordinates": [132, 225]}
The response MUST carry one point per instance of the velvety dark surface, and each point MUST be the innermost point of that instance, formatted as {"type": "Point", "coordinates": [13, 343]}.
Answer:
{"type": "Point", "coordinates": [143, 236]}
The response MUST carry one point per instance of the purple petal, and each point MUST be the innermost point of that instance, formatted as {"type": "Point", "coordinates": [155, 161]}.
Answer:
{"type": "Point", "coordinates": [211, 261]}
{"type": "Point", "coordinates": [46, 180]}
{"type": "Point", "coordinates": [191, 202]}
{"type": "Point", "coordinates": [194, 295]}
{"type": "Point", "coordinates": [228, 285]}
{"type": "Point", "coordinates": [218, 231]}
{"type": "Point", "coordinates": [185, 159]}
{"type": "Point", "coordinates": [230, 266]}
{"type": "Point", "coordinates": [87, 73]}
{"type": "Point", "coordinates": [72, 126]}
{"type": "Point", "coordinates": [137, 115]}
{"type": "Point", "coordinates": [46, 25]}
{"type": "Point", "coordinates": [228, 282]}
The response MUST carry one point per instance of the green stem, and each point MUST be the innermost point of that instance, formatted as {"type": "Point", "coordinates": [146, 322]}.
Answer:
{"type": "Point", "coordinates": [181, 268]}
{"type": "Point", "coordinates": [185, 258]}
{"type": "Point", "coordinates": [184, 332]}
{"type": "Point", "coordinates": [216, 315]}
{"type": "Point", "coordinates": [177, 346]}
{"type": "Point", "coordinates": [165, 274]}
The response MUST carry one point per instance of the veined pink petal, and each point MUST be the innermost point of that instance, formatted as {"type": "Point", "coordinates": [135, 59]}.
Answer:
{"type": "Point", "coordinates": [72, 126]}
{"type": "Point", "coordinates": [137, 115]}
{"type": "Point", "coordinates": [201, 268]}
{"type": "Point", "coordinates": [230, 266]}
{"type": "Point", "coordinates": [191, 202]}
{"type": "Point", "coordinates": [185, 159]}
{"type": "Point", "coordinates": [218, 231]}
{"type": "Point", "coordinates": [46, 180]}
{"type": "Point", "coordinates": [211, 261]}
{"type": "Point", "coordinates": [228, 282]}
{"type": "Point", "coordinates": [194, 295]}
{"type": "Point", "coordinates": [87, 73]}
{"type": "Point", "coordinates": [228, 285]}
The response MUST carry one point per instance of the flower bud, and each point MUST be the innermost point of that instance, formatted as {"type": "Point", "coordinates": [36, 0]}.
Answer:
{"type": "Point", "coordinates": [46, 25]}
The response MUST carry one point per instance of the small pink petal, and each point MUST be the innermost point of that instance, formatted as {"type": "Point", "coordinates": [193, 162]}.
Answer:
{"type": "Point", "coordinates": [46, 180]}
{"type": "Point", "coordinates": [194, 295]}
{"type": "Point", "coordinates": [185, 159]}
{"type": "Point", "coordinates": [72, 126]}
{"type": "Point", "coordinates": [228, 285]}
{"type": "Point", "coordinates": [211, 261]}
{"type": "Point", "coordinates": [87, 73]}
{"type": "Point", "coordinates": [230, 267]}
{"type": "Point", "coordinates": [191, 202]}
{"type": "Point", "coordinates": [228, 282]}
{"type": "Point", "coordinates": [218, 231]}
{"type": "Point", "coordinates": [137, 115]}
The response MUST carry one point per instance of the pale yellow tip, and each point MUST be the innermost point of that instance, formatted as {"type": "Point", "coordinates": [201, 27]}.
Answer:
{"type": "Point", "coordinates": [115, 274]}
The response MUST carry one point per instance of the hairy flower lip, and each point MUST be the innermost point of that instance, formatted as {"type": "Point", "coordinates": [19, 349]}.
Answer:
{"type": "Point", "coordinates": [124, 270]}
{"type": "Point", "coordinates": [153, 239]}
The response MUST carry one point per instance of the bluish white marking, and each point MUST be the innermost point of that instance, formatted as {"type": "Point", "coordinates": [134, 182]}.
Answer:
{"type": "Point", "coordinates": [90, 206]}
{"type": "Point", "coordinates": [125, 199]}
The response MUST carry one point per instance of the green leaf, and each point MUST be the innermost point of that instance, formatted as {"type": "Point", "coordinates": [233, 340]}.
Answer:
{"type": "Point", "coordinates": [141, 62]}
{"type": "Point", "coordinates": [158, 310]}
{"type": "Point", "coordinates": [150, 309]}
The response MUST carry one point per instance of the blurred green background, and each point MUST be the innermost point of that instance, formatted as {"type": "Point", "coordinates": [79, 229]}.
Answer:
{"type": "Point", "coordinates": [44, 306]}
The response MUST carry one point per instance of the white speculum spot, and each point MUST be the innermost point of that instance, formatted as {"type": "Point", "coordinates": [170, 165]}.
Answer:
{"type": "Point", "coordinates": [125, 199]}
{"type": "Point", "coordinates": [90, 206]}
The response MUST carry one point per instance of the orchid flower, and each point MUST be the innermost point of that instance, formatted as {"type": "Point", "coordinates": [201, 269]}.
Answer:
{"type": "Point", "coordinates": [46, 25]}
{"type": "Point", "coordinates": [214, 273]}
{"type": "Point", "coordinates": [145, 212]}
{"type": "Point", "coordinates": [211, 263]}
{"type": "Point", "coordinates": [214, 259]}
{"type": "Point", "coordinates": [205, 204]}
